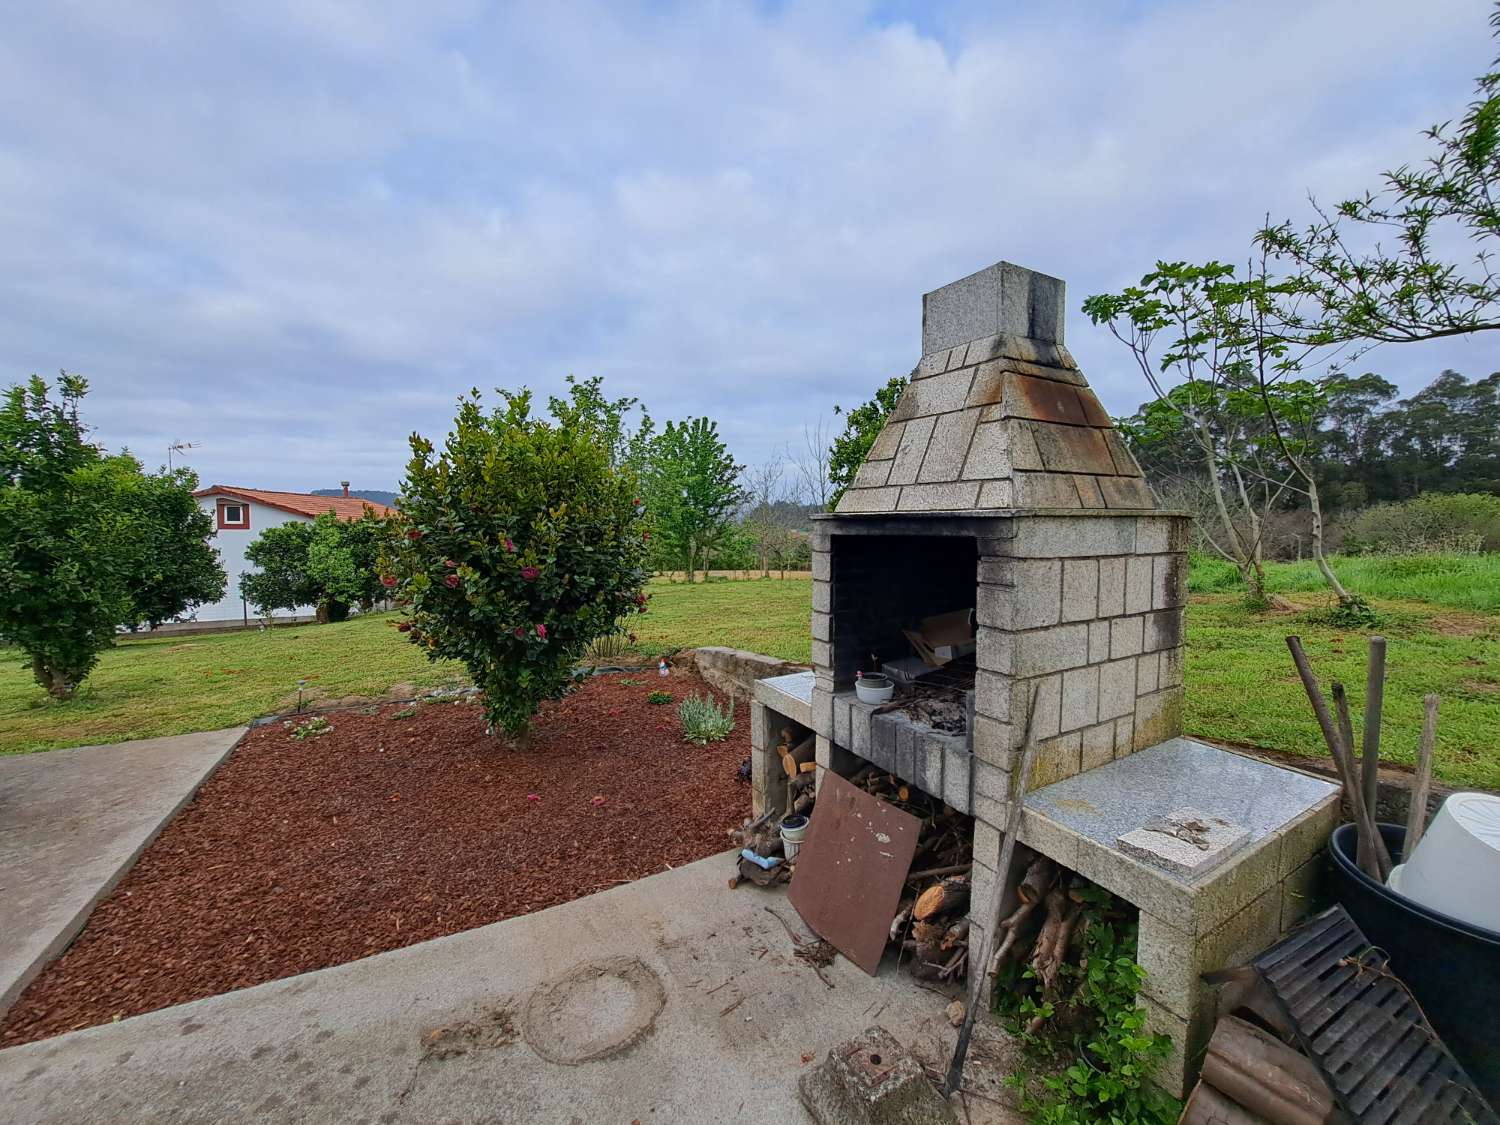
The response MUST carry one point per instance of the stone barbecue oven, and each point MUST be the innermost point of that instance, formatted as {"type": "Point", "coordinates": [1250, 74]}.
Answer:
{"type": "Point", "coordinates": [1001, 522]}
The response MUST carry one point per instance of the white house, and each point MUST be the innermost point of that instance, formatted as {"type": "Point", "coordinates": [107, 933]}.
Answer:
{"type": "Point", "coordinates": [241, 514]}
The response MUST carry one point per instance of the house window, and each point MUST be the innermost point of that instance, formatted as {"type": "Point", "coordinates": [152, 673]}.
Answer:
{"type": "Point", "coordinates": [233, 516]}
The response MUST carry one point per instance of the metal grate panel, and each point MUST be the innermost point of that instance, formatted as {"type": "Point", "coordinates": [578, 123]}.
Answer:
{"type": "Point", "coordinates": [1360, 1025]}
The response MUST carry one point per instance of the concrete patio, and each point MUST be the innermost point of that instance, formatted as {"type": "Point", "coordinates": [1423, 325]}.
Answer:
{"type": "Point", "coordinates": [71, 824]}
{"type": "Point", "coordinates": [690, 1006]}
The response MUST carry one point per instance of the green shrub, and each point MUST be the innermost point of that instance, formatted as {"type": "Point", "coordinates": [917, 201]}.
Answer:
{"type": "Point", "coordinates": [1210, 575]}
{"type": "Point", "coordinates": [704, 721]}
{"type": "Point", "coordinates": [315, 727]}
{"type": "Point", "coordinates": [659, 697]}
{"type": "Point", "coordinates": [515, 548]}
{"type": "Point", "coordinates": [1465, 523]}
{"type": "Point", "coordinates": [607, 649]}
{"type": "Point", "coordinates": [1113, 1055]}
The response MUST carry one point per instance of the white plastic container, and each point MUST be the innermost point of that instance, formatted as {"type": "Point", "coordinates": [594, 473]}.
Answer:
{"type": "Point", "coordinates": [793, 828]}
{"type": "Point", "coordinates": [874, 688]}
{"type": "Point", "coordinates": [1456, 867]}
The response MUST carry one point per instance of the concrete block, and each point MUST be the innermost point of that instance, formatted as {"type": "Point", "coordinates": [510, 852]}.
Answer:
{"type": "Point", "coordinates": [887, 442]}
{"type": "Point", "coordinates": [822, 566]}
{"type": "Point", "coordinates": [841, 707]}
{"type": "Point", "coordinates": [992, 695]}
{"type": "Point", "coordinates": [937, 747]}
{"type": "Point", "coordinates": [822, 626]}
{"type": "Point", "coordinates": [1126, 493]}
{"type": "Point", "coordinates": [1303, 891]}
{"type": "Point", "coordinates": [822, 597]}
{"type": "Point", "coordinates": [916, 764]}
{"type": "Point", "coordinates": [1164, 629]}
{"type": "Point", "coordinates": [1045, 490]}
{"type": "Point", "coordinates": [1153, 891]}
{"type": "Point", "coordinates": [1000, 300]}
{"type": "Point", "coordinates": [993, 741]}
{"type": "Point", "coordinates": [1236, 883]}
{"type": "Point", "coordinates": [1098, 745]}
{"type": "Point", "coordinates": [996, 649]}
{"type": "Point", "coordinates": [984, 885]}
{"type": "Point", "coordinates": [1080, 697]}
{"type": "Point", "coordinates": [1175, 1074]}
{"type": "Point", "coordinates": [872, 474]}
{"type": "Point", "coordinates": [884, 731]}
{"type": "Point", "coordinates": [1080, 589]}
{"type": "Point", "coordinates": [872, 1080]}
{"type": "Point", "coordinates": [1057, 758]}
{"type": "Point", "coordinates": [955, 497]}
{"type": "Point", "coordinates": [1088, 491]}
{"type": "Point", "coordinates": [1111, 587]}
{"type": "Point", "coordinates": [914, 438]}
{"type": "Point", "coordinates": [1172, 667]}
{"type": "Point", "coordinates": [1125, 736]}
{"type": "Point", "coordinates": [1125, 636]}
{"type": "Point", "coordinates": [1138, 584]}
{"type": "Point", "coordinates": [987, 842]}
{"type": "Point", "coordinates": [904, 749]}
{"type": "Point", "coordinates": [822, 654]}
{"type": "Point", "coordinates": [1307, 835]}
{"type": "Point", "coordinates": [1048, 720]}
{"type": "Point", "coordinates": [859, 728]}
{"type": "Point", "coordinates": [949, 447]}
{"type": "Point", "coordinates": [1158, 717]}
{"type": "Point", "coordinates": [1175, 960]}
{"type": "Point", "coordinates": [1147, 673]}
{"type": "Point", "coordinates": [1053, 840]}
{"type": "Point", "coordinates": [988, 809]}
{"type": "Point", "coordinates": [869, 500]}
{"type": "Point", "coordinates": [997, 494]}
{"type": "Point", "coordinates": [1153, 535]}
{"type": "Point", "coordinates": [958, 768]}
{"type": "Point", "coordinates": [991, 781]}
{"type": "Point", "coordinates": [1053, 537]}
{"type": "Point", "coordinates": [1117, 688]}
{"type": "Point", "coordinates": [1098, 642]}
{"type": "Point", "coordinates": [997, 571]}
{"type": "Point", "coordinates": [823, 752]}
{"type": "Point", "coordinates": [1024, 455]}
{"type": "Point", "coordinates": [1169, 577]}
{"type": "Point", "coordinates": [822, 713]}
{"type": "Point", "coordinates": [989, 455]}
{"type": "Point", "coordinates": [1051, 650]}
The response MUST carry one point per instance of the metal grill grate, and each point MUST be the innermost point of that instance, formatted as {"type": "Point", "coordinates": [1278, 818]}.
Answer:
{"type": "Point", "coordinates": [1364, 1031]}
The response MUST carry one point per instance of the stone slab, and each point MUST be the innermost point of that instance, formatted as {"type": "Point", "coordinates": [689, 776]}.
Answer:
{"type": "Point", "coordinates": [1106, 803]}
{"type": "Point", "coordinates": [1002, 299]}
{"type": "Point", "coordinates": [1185, 841]}
{"type": "Point", "coordinates": [789, 695]}
{"type": "Point", "coordinates": [72, 823]}
{"type": "Point", "coordinates": [346, 1044]}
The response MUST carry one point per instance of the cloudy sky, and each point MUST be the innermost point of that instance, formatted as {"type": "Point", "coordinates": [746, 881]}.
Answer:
{"type": "Point", "coordinates": [294, 231]}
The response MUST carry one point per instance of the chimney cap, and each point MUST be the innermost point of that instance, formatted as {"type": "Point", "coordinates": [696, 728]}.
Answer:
{"type": "Point", "coordinates": [1002, 300]}
{"type": "Point", "coordinates": [345, 486]}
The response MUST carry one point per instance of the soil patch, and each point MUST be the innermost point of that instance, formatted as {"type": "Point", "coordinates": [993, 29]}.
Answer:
{"type": "Point", "coordinates": [303, 853]}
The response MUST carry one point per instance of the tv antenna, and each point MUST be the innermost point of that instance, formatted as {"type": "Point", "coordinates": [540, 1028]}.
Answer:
{"type": "Point", "coordinates": [179, 447]}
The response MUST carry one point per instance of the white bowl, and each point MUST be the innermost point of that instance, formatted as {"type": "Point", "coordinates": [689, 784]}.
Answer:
{"type": "Point", "coordinates": [869, 693]}
{"type": "Point", "coordinates": [1456, 867]}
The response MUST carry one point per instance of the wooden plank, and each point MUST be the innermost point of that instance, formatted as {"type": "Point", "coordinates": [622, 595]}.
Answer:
{"type": "Point", "coordinates": [852, 868]}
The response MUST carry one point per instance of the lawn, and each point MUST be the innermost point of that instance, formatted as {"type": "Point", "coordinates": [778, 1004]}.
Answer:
{"type": "Point", "coordinates": [1241, 685]}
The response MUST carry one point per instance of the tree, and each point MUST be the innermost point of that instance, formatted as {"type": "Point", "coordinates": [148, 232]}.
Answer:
{"type": "Point", "coordinates": [692, 489]}
{"type": "Point", "coordinates": [1368, 291]}
{"type": "Point", "coordinates": [330, 564]}
{"type": "Point", "coordinates": [765, 492]}
{"type": "Point", "coordinates": [516, 546]}
{"type": "Point", "coordinates": [175, 568]}
{"type": "Point", "coordinates": [1242, 405]}
{"type": "Point", "coordinates": [862, 426]}
{"type": "Point", "coordinates": [67, 546]}
{"type": "Point", "coordinates": [586, 406]}
{"type": "Point", "coordinates": [812, 469]}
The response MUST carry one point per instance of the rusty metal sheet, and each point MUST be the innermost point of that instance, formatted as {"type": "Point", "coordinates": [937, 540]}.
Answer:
{"type": "Point", "coordinates": [850, 871]}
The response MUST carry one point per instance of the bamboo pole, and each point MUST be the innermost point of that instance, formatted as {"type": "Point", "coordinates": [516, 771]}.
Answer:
{"type": "Point", "coordinates": [1374, 704]}
{"type": "Point", "coordinates": [1371, 843]}
{"type": "Point", "coordinates": [980, 958]}
{"type": "Point", "coordinates": [1416, 814]}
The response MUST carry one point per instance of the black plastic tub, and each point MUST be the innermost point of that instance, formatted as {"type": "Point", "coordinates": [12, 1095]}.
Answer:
{"type": "Point", "coordinates": [1451, 966]}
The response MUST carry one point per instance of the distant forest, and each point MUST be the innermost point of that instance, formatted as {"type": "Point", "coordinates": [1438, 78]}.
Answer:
{"type": "Point", "coordinates": [373, 495]}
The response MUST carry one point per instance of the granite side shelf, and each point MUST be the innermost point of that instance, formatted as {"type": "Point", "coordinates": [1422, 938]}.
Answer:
{"type": "Point", "coordinates": [776, 702]}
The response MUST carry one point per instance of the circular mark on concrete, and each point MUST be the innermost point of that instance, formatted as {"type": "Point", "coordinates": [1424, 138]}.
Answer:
{"type": "Point", "coordinates": [593, 1011]}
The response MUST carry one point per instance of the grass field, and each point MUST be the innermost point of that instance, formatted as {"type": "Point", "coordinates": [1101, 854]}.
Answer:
{"type": "Point", "coordinates": [1241, 684]}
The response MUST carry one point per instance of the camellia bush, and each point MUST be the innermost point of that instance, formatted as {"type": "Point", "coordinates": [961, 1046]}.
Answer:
{"type": "Point", "coordinates": [515, 547]}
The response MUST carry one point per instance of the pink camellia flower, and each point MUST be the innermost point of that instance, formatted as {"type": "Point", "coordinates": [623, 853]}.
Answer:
{"type": "Point", "coordinates": [450, 564]}
{"type": "Point", "coordinates": [509, 546]}
{"type": "Point", "coordinates": [640, 599]}
{"type": "Point", "coordinates": [530, 573]}
{"type": "Point", "coordinates": [404, 627]}
{"type": "Point", "coordinates": [541, 631]}
{"type": "Point", "coordinates": [451, 581]}
{"type": "Point", "coordinates": [597, 801]}
{"type": "Point", "coordinates": [520, 633]}
{"type": "Point", "coordinates": [388, 580]}
{"type": "Point", "coordinates": [533, 797]}
{"type": "Point", "coordinates": [637, 501]}
{"type": "Point", "coordinates": [414, 533]}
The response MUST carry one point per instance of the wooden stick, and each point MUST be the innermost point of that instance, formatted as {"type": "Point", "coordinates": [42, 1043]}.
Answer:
{"type": "Point", "coordinates": [1331, 736]}
{"type": "Point", "coordinates": [934, 872]}
{"type": "Point", "coordinates": [1007, 850]}
{"type": "Point", "coordinates": [1416, 815]}
{"type": "Point", "coordinates": [1370, 847]}
{"type": "Point", "coordinates": [1374, 704]}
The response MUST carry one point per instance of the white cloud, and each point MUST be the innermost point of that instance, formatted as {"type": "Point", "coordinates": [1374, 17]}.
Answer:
{"type": "Point", "coordinates": [296, 232]}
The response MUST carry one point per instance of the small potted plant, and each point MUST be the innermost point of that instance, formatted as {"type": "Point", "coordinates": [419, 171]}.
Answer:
{"type": "Point", "coordinates": [873, 687]}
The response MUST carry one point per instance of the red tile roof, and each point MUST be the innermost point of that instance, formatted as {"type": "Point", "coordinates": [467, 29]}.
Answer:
{"type": "Point", "coordinates": [302, 503]}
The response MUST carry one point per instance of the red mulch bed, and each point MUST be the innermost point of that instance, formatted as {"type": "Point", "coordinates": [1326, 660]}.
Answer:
{"type": "Point", "coordinates": [297, 855]}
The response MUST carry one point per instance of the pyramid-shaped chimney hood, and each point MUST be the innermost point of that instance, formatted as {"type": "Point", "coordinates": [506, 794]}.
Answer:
{"type": "Point", "coordinates": [997, 415]}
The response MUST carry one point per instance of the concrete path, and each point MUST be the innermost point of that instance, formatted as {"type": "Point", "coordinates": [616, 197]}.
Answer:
{"type": "Point", "coordinates": [690, 1007]}
{"type": "Point", "coordinates": [71, 824]}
